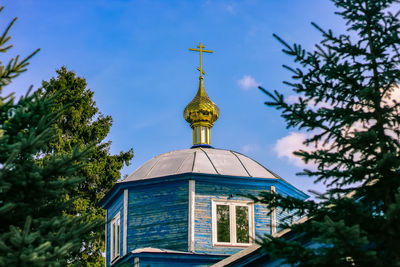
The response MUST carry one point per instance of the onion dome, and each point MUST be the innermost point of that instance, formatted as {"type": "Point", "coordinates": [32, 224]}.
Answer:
{"type": "Point", "coordinates": [201, 111]}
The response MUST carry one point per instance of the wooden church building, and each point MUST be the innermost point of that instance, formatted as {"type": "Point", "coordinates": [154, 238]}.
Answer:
{"type": "Point", "coordinates": [189, 207]}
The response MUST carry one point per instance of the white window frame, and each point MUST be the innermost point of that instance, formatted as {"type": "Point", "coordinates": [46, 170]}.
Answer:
{"type": "Point", "coordinates": [232, 221]}
{"type": "Point", "coordinates": [115, 254]}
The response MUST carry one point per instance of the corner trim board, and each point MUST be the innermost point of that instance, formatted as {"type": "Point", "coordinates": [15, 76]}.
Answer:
{"type": "Point", "coordinates": [125, 230]}
{"type": "Point", "coordinates": [273, 214]}
{"type": "Point", "coordinates": [192, 184]}
{"type": "Point", "coordinates": [105, 243]}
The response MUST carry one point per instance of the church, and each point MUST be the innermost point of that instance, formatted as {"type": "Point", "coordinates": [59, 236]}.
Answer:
{"type": "Point", "coordinates": [189, 207]}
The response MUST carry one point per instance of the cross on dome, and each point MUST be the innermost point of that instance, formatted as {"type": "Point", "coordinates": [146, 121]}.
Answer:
{"type": "Point", "coordinates": [201, 50]}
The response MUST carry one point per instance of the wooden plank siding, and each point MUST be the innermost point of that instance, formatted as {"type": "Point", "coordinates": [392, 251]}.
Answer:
{"type": "Point", "coordinates": [205, 193]}
{"type": "Point", "coordinates": [158, 216]}
{"type": "Point", "coordinates": [175, 262]}
{"type": "Point", "coordinates": [146, 259]}
{"type": "Point", "coordinates": [281, 217]}
{"type": "Point", "coordinates": [117, 205]}
{"type": "Point", "coordinates": [158, 212]}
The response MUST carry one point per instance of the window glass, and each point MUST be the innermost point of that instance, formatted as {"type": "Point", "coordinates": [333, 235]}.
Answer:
{"type": "Point", "coordinates": [223, 225]}
{"type": "Point", "coordinates": [232, 224]}
{"type": "Point", "coordinates": [113, 243]}
{"type": "Point", "coordinates": [115, 237]}
{"type": "Point", "coordinates": [242, 224]}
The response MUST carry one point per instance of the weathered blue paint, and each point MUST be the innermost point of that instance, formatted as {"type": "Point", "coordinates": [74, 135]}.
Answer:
{"type": "Point", "coordinates": [291, 190]}
{"type": "Point", "coordinates": [205, 194]}
{"type": "Point", "coordinates": [117, 205]}
{"type": "Point", "coordinates": [158, 216]}
{"type": "Point", "coordinates": [171, 259]}
{"type": "Point", "coordinates": [283, 218]}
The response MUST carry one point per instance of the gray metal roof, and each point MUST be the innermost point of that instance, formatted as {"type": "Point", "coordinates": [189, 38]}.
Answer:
{"type": "Point", "coordinates": [201, 160]}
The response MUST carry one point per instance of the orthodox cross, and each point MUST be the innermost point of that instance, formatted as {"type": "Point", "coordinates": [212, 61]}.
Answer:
{"type": "Point", "coordinates": [201, 50]}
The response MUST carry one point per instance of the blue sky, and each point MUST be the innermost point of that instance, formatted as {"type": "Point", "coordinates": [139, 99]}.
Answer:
{"type": "Point", "coordinates": [134, 56]}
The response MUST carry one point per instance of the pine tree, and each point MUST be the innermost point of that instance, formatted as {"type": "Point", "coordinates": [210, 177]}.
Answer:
{"type": "Point", "coordinates": [34, 184]}
{"type": "Point", "coordinates": [80, 125]}
{"type": "Point", "coordinates": [347, 102]}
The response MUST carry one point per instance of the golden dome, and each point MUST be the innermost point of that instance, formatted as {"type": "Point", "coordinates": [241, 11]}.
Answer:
{"type": "Point", "coordinates": [201, 111]}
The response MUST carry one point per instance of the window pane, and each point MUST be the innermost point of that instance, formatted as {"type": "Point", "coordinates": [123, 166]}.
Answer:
{"type": "Point", "coordinates": [118, 234]}
{"type": "Point", "coordinates": [242, 224]}
{"type": "Point", "coordinates": [223, 223]}
{"type": "Point", "coordinates": [113, 240]}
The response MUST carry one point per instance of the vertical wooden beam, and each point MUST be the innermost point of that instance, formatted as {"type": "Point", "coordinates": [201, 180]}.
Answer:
{"type": "Point", "coordinates": [136, 262]}
{"type": "Point", "coordinates": [232, 224]}
{"type": "Point", "coordinates": [273, 214]}
{"type": "Point", "coordinates": [125, 229]}
{"type": "Point", "coordinates": [252, 224]}
{"type": "Point", "coordinates": [192, 195]}
{"type": "Point", "coordinates": [214, 222]}
{"type": "Point", "coordinates": [105, 243]}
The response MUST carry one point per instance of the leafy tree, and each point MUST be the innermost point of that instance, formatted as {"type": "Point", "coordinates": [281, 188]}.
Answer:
{"type": "Point", "coordinates": [347, 101]}
{"type": "Point", "coordinates": [34, 229]}
{"type": "Point", "coordinates": [81, 125]}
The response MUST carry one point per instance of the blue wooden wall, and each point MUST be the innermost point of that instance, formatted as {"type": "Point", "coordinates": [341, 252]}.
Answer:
{"type": "Point", "coordinates": [146, 259]}
{"type": "Point", "coordinates": [158, 216]}
{"type": "Point", "coordinates": [205, 193]}
{"type": "Point", "coordinates": [158, 211]}
{"type": "Point", "coordinates": [282, 216]}
{"type": "Point", "coordinates": [116, 205]}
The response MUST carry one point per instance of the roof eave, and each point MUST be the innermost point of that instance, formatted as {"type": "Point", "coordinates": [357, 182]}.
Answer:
{"type": "Point", "coordinates": [186, 176]}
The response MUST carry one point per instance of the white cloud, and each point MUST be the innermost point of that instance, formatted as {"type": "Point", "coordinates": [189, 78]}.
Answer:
{"type": "Point", "coordinates": [285, 147]}
{"type": "Point", "coordinates": [292, 99]}
{"type": "Point", "coordinates": [392, 97]}
{"type": "Point", "coordinates": [247, 82]}
{"type": "Point", "coordinates": [249, 148]}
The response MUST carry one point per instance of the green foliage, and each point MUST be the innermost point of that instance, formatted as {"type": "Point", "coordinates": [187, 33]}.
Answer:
{"type": "Point", "coordinates": [346, 101]}
{"type": "Point", "coordinates": [80, 125]}
{"type": "Point", "coordinates": [14, 67]}
{"type": "Point", "coordinates": [35, 183]}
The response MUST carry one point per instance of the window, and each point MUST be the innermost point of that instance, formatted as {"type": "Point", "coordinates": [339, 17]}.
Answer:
{"type": "Point", "coordinates": [233, 223]}
{"type": "Point", "coordinates": [115, 237]}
